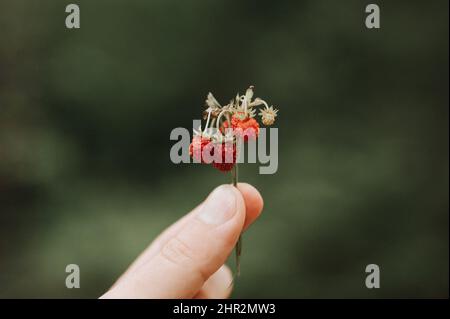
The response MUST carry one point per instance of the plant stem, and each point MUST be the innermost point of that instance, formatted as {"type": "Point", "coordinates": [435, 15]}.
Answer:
{"type": "Point", "coordinates": [234, 175]}
{"type": "Point", "coordinates": [238, 247]}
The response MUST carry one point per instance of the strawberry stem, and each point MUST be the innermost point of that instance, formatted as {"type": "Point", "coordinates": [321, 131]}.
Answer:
{"type": "Point", "coordinates": [238, 247]}
{"type": "Point", "coordinates": [207, 121]}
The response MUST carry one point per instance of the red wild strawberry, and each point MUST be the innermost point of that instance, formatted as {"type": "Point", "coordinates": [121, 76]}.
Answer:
{"type": "Point", "coordinates": [243, 126]}
{"type": "Point", "coordinates": [199, 143]}
{"type": "Point", "coordinates": [226, 156]}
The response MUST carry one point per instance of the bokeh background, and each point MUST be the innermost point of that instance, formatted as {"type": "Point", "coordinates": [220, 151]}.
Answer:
{"type": "Point", "coordinates": [85, 118]}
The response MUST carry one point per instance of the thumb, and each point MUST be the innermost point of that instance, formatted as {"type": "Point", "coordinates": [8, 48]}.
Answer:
{"type": "Point", "coordinates": [193, 254]}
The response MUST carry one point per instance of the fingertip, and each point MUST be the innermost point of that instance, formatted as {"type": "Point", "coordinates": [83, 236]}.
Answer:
{"type": "Point", "coordinates": [254, 202]}
{"type": "Point", "coordinates": [218, 286]}
{"type": "Point", "coordinates": [252, 196]}
{"type": "Point", "coordinates": [240, 200]}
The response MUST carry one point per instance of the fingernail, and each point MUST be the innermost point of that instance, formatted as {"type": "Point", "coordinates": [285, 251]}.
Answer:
{"type": "Point", "coordinates": [220, 206]}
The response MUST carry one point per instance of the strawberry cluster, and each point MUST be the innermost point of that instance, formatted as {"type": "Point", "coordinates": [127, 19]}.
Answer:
{"type": "Point", "coordinates": [216, 143]}
{"type": "Point", "coordinates": [204, 149]}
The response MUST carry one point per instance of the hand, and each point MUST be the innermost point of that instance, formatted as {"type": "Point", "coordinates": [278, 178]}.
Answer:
{"type": "Point", "coordinates": [187, 259]}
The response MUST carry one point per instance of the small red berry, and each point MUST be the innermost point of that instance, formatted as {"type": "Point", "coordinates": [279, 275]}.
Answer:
{"type": "Point", "coordinates": [226, 155]}
{"type": "Point", "coordinates": [243, 126]}
{"type": "Point", "coordinates": [199, 143]}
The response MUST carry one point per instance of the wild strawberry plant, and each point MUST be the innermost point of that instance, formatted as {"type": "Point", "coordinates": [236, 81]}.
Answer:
{"type": "Point", "coordinates": [218, 142]}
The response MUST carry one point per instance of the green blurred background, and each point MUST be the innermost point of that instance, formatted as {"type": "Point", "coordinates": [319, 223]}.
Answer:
{"type": "Point", "coordinates": [85, 118]}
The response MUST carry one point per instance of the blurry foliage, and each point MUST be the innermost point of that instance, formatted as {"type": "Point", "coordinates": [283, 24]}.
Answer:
{"type": "Point", "coordinates": [85, 118]}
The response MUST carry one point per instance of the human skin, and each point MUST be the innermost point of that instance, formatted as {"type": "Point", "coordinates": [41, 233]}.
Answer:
{"type": "Point", "coordinates": [187, 259]}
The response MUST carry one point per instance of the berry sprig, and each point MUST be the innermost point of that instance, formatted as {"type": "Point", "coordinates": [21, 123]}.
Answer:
{"type": "Point", "coordinates": [216, 144]}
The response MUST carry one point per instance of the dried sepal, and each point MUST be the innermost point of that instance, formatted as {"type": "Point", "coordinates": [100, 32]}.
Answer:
{"type": "Point", "coordinates": [212, 102]}
{"type": "Point", "coordinates": [249, 94]}
{"type": "Point", "coordinates": [228, 137]}
{"type": "Point", "coordinates": [213, 106]}
{"type": "Point", "coordinates": [256, 102]}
